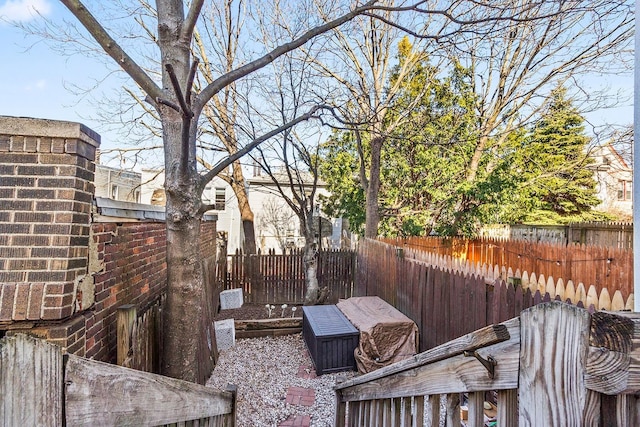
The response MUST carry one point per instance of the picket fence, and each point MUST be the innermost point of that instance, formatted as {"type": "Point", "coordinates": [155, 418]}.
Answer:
{"type": "Point", "coordinates": [139, 338]}
{"type": "Point", "coordinates": [279, 278]}
{"type": "Point", "coordinates": [448, 298]}
{"type": "Point", "coordinates": [613, 234]}
{"type": "Point", "coordinates": [601, 267]}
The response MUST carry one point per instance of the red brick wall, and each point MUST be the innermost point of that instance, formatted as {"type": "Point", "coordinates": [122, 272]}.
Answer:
{"type": "Point", "coordinates": [62, 275]}
{"type": "Point", "coordinates": [132, 256]}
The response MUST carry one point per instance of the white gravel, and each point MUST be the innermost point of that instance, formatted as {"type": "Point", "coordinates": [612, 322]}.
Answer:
{"type": "Point", "coordinates": [263, 369]}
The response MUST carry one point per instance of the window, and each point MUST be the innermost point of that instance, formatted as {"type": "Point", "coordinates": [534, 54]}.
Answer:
{"type": "Point", "coordinates": [114, 192]}
{"type": "Point", "coordinates": [136, 196]}
{"type": "Point", "coordinates": [625, 190]}
{"type": "Point", "coordinates": [221, 198]}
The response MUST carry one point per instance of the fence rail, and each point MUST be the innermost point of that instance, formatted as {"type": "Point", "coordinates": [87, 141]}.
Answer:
{"type": "Point", "coordinates": [40, 387]}
{"type": "Point", "coordinates": [279, 278]}
{"type": "Point", "coordinates": [585, 375]}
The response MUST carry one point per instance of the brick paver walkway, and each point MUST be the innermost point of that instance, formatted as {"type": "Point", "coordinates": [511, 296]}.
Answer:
{"type": "Point", "coordinates": [301, 396]}
{"type": "Point", "coordinates": [296, 421]}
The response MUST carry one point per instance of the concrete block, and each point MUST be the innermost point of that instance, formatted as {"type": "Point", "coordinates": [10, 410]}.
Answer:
{"type": "Point", "coordinates": [231, 298]}
{"type": "Point", "coordinates": [225, 334]}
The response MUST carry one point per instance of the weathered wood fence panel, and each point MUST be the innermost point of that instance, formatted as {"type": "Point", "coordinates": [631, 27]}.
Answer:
{"type": "Point", "coordinates": [555, 365]}
{"type": "Point", "coordinates": [98, 393]}
{"type": "Point", "coordinates": [139, 337]}
{"type": "Point", "coordinates": [31, 381]}
{"type": "Point", "coordinates": [41, 388]}
{"type": "Point", "coordinates": [279, 278]}
{"type": "Point", "coordinates": [614, 234]}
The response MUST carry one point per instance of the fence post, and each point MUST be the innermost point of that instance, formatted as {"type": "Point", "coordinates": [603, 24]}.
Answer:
{"type": "Point", "coordinates": [125, 319]}
{"type": "Point", "coordinates": [553, 354]}
{"type": "Point", "coordinates": [233, 389]}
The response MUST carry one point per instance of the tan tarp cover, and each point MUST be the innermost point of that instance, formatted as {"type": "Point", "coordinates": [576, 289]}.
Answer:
{"type": "Point", "coordinates": [386, 335]}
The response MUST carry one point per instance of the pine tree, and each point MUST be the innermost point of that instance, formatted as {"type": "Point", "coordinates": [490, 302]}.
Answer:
{"type": "Point", "coordinates": [557, 184]}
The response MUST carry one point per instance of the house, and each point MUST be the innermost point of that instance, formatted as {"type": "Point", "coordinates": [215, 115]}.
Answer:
{"type": "Point", "coordinates": [276, 226]}
{"type": "Point", "coordinates": [117, 184]}
{"type": "Point", "coordinates": [614, 177]}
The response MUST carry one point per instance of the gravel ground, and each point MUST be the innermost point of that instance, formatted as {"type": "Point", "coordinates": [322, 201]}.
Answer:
{"type": "Point", "coordinates": [263, 369]}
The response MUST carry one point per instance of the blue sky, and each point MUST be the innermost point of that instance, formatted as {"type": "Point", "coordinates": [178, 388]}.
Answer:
{"type": "Point", "coordinates": [34, 80]}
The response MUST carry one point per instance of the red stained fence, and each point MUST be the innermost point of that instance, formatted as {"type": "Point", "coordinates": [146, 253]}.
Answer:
{"type": "Point", "coordinates": [603, 267]}
{"type": "Point", "coordinates": [446, 303]}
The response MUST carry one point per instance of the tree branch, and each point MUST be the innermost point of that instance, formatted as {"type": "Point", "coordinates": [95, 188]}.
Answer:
{"type": "Point", "coordinates": [112, 48]}
{"type": "Point", "coordinates": [184, 108]}
{"type": "Point", "coordinates": [230, 77]}
{"type": "Point", "coordinates": [190, 79]}
{"type": "Point", "coordinates": [220, 166]}
{"type": "Point", "coordinates": [190, 21]}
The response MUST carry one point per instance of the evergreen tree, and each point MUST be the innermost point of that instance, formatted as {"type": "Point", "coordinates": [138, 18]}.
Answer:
{"type": "Point", "coordinates": [557, 183]}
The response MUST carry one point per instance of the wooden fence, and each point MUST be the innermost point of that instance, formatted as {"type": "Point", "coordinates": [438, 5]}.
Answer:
{"type": "Point", "coordinates": [40, 387]}
{"type": "Point", "coordinates": [612, 234]}
{"type": "Point", "coordinates": [139, 337]}
{"type": "Point", "coordinates": [447, 301]}
{"type": "Point", "coordinates": [279, 278]}
{"type": "Point", "coordinates": [603, 267]}
{"type": "Point", "coordinates": [553, 365]}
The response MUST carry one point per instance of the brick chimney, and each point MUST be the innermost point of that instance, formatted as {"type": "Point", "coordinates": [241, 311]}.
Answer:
{"type": "Point", "coordinates": [46, 192]}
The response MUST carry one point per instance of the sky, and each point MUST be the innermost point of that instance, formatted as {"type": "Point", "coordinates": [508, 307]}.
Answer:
{"type": "Point", "coordinates": [35, 81]}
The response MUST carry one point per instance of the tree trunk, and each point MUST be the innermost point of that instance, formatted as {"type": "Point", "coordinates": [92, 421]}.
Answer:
{"type": "Point", "coordinates": [372, 211]}
{"type": "Point", "coordinates": [310, 273]}
{"type": "Point", "coordinates": [246, 213]}
{"type": "Point", "coordinates": [186, 312]}
{"type": "Point", "coordinates": [314, 295]}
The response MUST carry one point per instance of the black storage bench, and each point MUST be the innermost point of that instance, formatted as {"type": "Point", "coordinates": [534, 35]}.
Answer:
{"type": "Point", "coordinates": [330, 338]}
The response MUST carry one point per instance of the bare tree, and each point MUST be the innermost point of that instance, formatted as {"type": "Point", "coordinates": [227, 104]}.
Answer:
{"type": "Point", "coordinates": [292, 162]}
{"type": "Point", "coordinates": [517, 51]}
{"type": "Point", "coordinates": [516, 68]}
{"type": "Point", "coordinates": [179, 108]}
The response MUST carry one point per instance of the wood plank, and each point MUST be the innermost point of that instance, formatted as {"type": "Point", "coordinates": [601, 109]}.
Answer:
{"type": "Point", "coordinates": [507, 407]}
{"type": "Point", "coordinates": [475, 410]}
{"type": "Point", "coordinates": [613, 360]}
{"type": "Point", "coordinates": [453, 410]}
{"type": "Point", "coordinates": [125, 319]}
{"type": "Point", "coordinates": [432, 415]}
{"type": "Point", "coordinates": [31, 382]}
{"type": "Point", "coordinates": [418, 410]}
{"type": "Point", "coordinates": [98, 393]}
{"type": "Point", "coordinates": [552, 361]}
{"type": "Point", "coordinates": [481, 338]}
{"type": "Point", "coordinates": [456, 374]}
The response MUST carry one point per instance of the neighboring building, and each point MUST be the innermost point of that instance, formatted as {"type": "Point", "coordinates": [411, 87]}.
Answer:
{"type": "Point", "coordinates": [275, 223]}
{"type": "Point", "coordinates": [118, 184]}
{"type": "Point", "coordinates": [615, 182]}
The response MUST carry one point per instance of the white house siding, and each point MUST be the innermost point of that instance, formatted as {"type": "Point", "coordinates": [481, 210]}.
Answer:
{"type": "Point", "coordinates": [613, 176]}
{"type": "Point", "coordinates": [117, 184]}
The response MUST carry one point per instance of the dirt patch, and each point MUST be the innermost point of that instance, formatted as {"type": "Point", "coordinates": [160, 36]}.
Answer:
{"type": "Point", "coordinates": [256, 312]}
